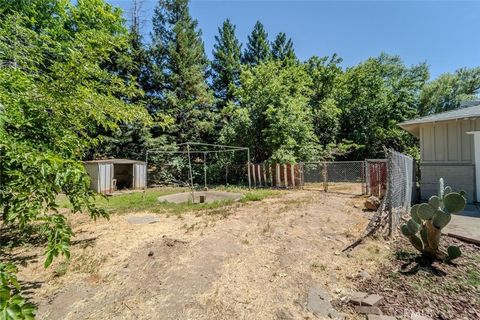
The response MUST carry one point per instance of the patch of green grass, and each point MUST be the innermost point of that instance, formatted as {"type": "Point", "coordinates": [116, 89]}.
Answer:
{"type": "Point", "coordinates": [318, 267]}
{"type": "Point", "coordinates": [147, 201]}
{"type": "Point", "coordinates": [473, 278]}
{"type": "Point", "coordinates": [62, 268]}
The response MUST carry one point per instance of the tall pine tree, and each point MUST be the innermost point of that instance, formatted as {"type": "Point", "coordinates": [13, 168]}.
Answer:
{"type": "Point", "coordinates": [258, 46]}
{"type": "Point", "coordinates": [178, 71]}
{"type": "Point", "coordinates": [138, 53]}
{"type": "Point", "coordinates": [226, 64]}
{"type": "Point", "coordinates": [282, 49]}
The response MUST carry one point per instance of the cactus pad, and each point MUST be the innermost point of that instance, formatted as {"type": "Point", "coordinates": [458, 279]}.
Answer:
{"type": "Point", "coordinates": [406, 232]}
{"type": "Point", "coordinates": [416, 242]}
{"type": "Point", "coordinates": [441, 219]}
{"type": "Point", "coordinates": [413, 226]}
{"type": "Point", "coordinates": [453, 252]}
{"type": "Point", "coordinates": [434, 201]}
{"type": "Point", "coordinates": [441, 189]}
{"type": "Point", "coordinates": [414, 214]}
{"type": "Point", "coordinates": [447, 190]}
{"type": "Point", "coordinates": [454, 202]}
{"type": "Point", "coordinates": [426, 211]}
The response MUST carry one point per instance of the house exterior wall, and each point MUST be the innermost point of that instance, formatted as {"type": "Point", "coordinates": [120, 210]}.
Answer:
{"type": "Point", "coordinates": [459, 177]}
{"type": "Point", "coordinates": [447, 152]}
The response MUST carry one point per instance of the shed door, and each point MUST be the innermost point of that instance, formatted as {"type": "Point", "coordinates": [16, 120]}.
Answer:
{"type": "Point", "coordinates": [104, 178]}
{"type": "Point", "coordinates": [139, 176]}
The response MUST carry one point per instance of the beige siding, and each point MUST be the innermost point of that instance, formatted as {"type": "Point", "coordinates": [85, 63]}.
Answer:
{"type": "Point", "coordinates": [453, 138]}
{"type": "Point", "coordinates": [457, 176]}
{"type": "Point", "coordinates": [447, 152]}
{"type": "Point", "coordinates": [440, 141]}
{"type": "Point", "coordinates": [448, 141]}
{"type": "Point", "coordinates": [466, 140]}
{"type": "Point", "coordinates": [426, 143]}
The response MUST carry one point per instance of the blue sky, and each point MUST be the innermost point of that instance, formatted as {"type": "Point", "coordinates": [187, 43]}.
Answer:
{"type": "Point", "coordinates": [444, 34]}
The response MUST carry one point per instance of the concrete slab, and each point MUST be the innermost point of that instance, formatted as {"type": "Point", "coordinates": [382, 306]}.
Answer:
{"type": "Point", "coordinates": [210, 196]}
{"type": "Point", "coordinates": [465, 226]}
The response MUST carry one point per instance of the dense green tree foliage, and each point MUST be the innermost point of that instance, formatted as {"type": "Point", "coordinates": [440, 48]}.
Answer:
{"type": "Point", "coordinates": [449, 90]}
{"type": "Point", "coordinates": [179, 67]}
{"type": "Point", "coordinates": [326, 75]}
{"type": "Point", "coordinates": [274, 119]}
{"type": "Point", "coordinates": [282, 48]}
{"type": "Point", "coordinates": [56, 98]}
{"type": "Point", "coordinates": [374, 97]}
{"type": "Point", "coordinates": [226, 64]}
{"type": "Point", "coordinates": [258, 46]}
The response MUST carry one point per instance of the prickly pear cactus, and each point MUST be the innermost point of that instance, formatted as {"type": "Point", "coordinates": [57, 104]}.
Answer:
{"type": "Point", "coordinates": [424, 229]}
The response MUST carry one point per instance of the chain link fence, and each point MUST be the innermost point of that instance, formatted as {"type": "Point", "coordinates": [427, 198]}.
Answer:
{"type": "Point", "coordinates": [400, 187]}
{"type": "Point", "coordinates": [400, 191]}
{"type": "Point", "coordinates": [335, 176]}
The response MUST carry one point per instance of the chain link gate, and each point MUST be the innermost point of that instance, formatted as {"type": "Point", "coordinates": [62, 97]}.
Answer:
{"type": "Point", "coordinates": [376, 177]}
{"type": "Point", "coordinates": [335, 176]}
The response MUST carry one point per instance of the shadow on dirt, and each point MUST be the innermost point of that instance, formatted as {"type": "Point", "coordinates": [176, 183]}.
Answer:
{"type": "Point", "coordinates": [414, 263]}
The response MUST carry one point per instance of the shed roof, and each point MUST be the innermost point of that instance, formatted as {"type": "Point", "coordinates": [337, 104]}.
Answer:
{"type": "Point", "coordinates": [115, 161]}
{"type": "Point", "coordinates": [470, 109]}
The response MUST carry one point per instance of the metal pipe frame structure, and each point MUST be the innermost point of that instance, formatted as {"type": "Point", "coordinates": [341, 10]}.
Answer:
{"type": "Point", "coordinates": [226, 148]}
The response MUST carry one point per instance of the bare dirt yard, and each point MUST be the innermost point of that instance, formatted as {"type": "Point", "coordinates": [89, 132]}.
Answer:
{"type": "Point", "coordinates": [254, 260]}
{"type": "Point", "coordinates": [245, 260]}
{"type": "Point", "coordinates": [241, 260]}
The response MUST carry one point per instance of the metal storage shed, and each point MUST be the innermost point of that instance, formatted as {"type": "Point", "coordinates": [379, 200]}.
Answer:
{"type": "Point", "coordinates": [107, 176]}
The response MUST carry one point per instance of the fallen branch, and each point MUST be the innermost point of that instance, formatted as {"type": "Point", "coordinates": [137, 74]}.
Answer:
{"type": "Point", "coordinates": [377, 222]}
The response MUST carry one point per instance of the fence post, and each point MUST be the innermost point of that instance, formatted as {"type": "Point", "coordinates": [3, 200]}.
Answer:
{"type": "Point", "coordinates": [325, 177]}
{"type": "Point", "coordinates": [248, 170]}
{"type": "Point", "coordinates": [364, 182]}
{"type": "Point", "coordinates": [205, 170]}
{"type": "Point", "coordinates": [301, 167]}
{"type": "Point", "coordinates": [388, 197]}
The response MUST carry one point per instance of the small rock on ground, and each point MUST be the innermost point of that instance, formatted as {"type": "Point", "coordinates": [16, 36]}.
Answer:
{"type": "Point", "coordinates": [318, 302]}
{"type": "Point", "coordinates": [372, 203]}
{"type": "Point", "coordinates": [357, 297]}
{"type": "Point", "coordinates": [368, 310]}
{"type": "Point", "coordinates": [372, 300]}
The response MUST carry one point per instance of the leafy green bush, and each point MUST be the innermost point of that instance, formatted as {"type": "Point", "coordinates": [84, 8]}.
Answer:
{"type": "Point", "coordinates": [12, 305]}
